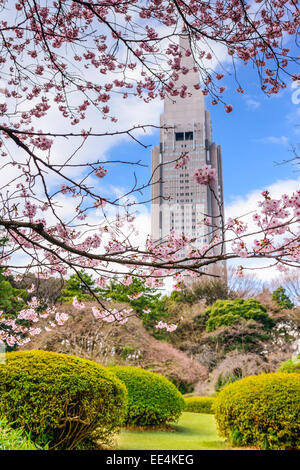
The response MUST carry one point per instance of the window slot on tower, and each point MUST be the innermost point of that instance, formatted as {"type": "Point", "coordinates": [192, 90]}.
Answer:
{"type": "Point", "coordinates": [179, 136]}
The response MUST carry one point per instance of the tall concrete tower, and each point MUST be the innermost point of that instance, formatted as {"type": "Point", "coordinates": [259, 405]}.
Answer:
{"type": "Point", "coordinates": [178, 202]}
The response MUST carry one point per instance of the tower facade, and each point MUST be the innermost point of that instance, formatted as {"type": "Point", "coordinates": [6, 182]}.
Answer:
{"type": "Point", "coordinates": [179, 203]}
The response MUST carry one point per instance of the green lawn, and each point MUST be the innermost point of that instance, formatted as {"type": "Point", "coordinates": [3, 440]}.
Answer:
{"type": "Point", "coordinates": [194, 431]}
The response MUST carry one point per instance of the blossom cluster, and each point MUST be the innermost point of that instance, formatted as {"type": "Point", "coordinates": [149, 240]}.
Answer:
{"type": "Point", "coordinates": [100, 172]}
{"type": "Point", "coordinates": [112, 315]}
{"type": "Point", "coordinates": [18, 331]}
{"type": "Point", "coordinates": [182, 161]}
{"type": "Point", "coordinates": [276, 218]}
{"type": "Point", "coordinates": [205, 175]}
{"type": "Point", "coordinates": [162, 325]}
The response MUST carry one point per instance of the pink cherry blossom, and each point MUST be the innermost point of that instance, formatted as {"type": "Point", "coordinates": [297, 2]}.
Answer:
{"type": "Point", "coordinates": [205, 175]}
{"type": "Point", "coordinates": [163, 325]}
{"type": "Point", "coordinates": [61, 318]}
{"type": "Point", "coordinates": [78, 304]}
{"type": "Point", "coordinates": [100, 172]}
{"type": "Point", "coordinates": [183, 161]}
{"type": "Point", "coordinates": [135, 296]}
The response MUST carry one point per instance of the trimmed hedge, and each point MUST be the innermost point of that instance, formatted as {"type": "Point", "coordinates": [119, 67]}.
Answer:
{"type": "Point", "coordinates": [59, 399]}
{"type": "Point", "coordinates": [262, 411]}
{"type": "Point", "coordinates": [292, 365]}
{"type": "Point", "coordinates": [152, 399]}
{"type": "Point", "coordinates": [199, 404]}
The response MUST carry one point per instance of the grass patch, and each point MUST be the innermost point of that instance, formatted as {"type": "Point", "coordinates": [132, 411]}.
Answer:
{"type": "Point", "coordinates": [194, 431]}
{"type": "Point", "coordinates": [13, 439]}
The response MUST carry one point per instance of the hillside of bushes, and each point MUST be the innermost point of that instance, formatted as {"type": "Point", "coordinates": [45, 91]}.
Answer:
{"type": "Point", "coordinates": [223, 334]}
{"type": "Point", "coordinates": [235, 338]}
{"type": "Point", "coordinates": [230, 356]}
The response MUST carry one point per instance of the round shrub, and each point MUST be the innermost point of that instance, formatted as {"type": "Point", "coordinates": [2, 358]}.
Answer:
{"type": "Point", "coordinates": [292, 365]}
{"type": "Point", "coordinates": [261, 410]}
{"type": "Point", "coordinates": [152, 399]}
{"type": "Point", "coordinates": [60, 399]}
{"type": "Point", "coordinates": [199, 404]}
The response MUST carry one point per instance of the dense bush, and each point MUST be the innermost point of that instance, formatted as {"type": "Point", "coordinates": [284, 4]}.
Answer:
{"type": "Point", "coordinates": [199, 404]}
{"type": "Point", "coordinates": [226, 378]}
{"type": "Point", "coordinates": [60, 399]}
{"type": "Point", "coordinates": [152, 399]}
{"type": "Point", "coordinates": [262, 411]}
{"type": "Point", "coordinates": [13, 439]}
{"type": "Point", "coordinates": [292, 365]}
{"type": "Point", "coordinates": [229, 312]}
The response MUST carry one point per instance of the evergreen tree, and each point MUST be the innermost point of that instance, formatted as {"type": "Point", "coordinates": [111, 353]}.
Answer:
{"type": "Point", "coordinates": [149, 305]}
{"type": "Point", "coordinates": [282, 299]}
{"type": "Point", "coordinates": [78, 285]}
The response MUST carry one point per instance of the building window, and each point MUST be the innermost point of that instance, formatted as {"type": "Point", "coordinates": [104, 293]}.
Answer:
{"type": "Point", "coordinates": [189, 135]}
{"type": "Point", "coordinates": [179, 136]}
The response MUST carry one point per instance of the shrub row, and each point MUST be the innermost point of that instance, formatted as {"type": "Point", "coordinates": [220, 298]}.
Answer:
{"type": "Point", "coordinates": [67, 402]}
{"type": "Point", "coordinates": [199, 404]}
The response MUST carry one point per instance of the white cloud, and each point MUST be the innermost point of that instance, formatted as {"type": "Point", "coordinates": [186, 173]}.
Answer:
{"type": "Point", "coordinates": [283, 140]}
{"type": "Point", "coordinates": [252, 104]}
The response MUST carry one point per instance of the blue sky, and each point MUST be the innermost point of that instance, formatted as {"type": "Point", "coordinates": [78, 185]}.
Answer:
{"type": "Point", "coordinates": [258, 133]}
